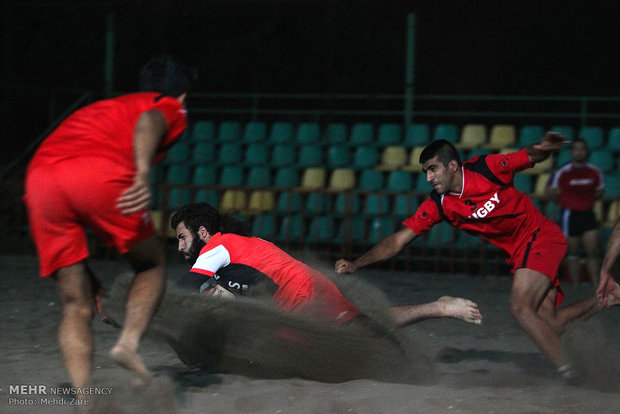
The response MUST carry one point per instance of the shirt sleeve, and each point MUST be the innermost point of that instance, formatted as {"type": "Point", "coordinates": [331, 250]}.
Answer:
{"type": "Point", "coordinates": [425, 217]}
{"type": "Point", "coordinates": [505, 166]}
{"type": "Point", "coordinates": [211, 260]}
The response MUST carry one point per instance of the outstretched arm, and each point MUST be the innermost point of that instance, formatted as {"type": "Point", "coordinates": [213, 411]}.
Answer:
{"type": "Point", "coordinates": [383, 250]}
{"type": "Point", "coordinates": [611, 255]}
{"type": "Point", "coordinates": [552, 141]}
{"type": "Point", "coordinates": [150, 129]}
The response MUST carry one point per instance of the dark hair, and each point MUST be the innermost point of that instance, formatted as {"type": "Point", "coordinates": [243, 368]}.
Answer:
{"type": "Point", "coordinates": [167, 75]}
{"type": "Point", "coordinates": [443, 150]}
{"type": "Point", "coordinates": [195, 215]}
{"type": "Point", "coordinates": [583, 141]}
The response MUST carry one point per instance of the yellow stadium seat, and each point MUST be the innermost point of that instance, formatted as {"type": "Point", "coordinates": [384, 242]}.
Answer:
{"type": "Point", "coordinates": [313, 178]}
{"type": "Point", "coordinates": [472, 136]}
{"type": "Point", "coordinates": [261, 201]}
{"type": "Point", "coordinates": [342, 179]}
{"type": "Point", "coordinates": [233, 200]}
{"type": "Point", "coordinates": [540, 188]}
{"type": "Point", "coordinates": [392, 158]}
{"type": "Point", "coordinates": [414, 160]}
{"type": "Point", "coordinates": [598, 211]}
{"type": "Point", "coordinates": [540, 167]}
{"type": "Point", "coordinates": [613, 212]}
{"type": "Point", "coordinates": [502, 136]}
{"type": "Point", "coordinates": [508, 150]}
{"type": "Point", "coordinates": [161, 228]}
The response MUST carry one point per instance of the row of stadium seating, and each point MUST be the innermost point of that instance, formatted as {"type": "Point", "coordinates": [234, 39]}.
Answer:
{"type": "Point", "coordinates": [468, 136]}
{"type": "Point", "coordinates": [388, 158]}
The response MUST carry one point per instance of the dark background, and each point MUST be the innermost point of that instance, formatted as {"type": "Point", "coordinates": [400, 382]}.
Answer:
{"type": "Point", "coordinates": [461, 47]}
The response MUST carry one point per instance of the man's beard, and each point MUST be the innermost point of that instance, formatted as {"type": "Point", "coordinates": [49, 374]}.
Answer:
{"type": "Point", "coordinates": [194, 250]}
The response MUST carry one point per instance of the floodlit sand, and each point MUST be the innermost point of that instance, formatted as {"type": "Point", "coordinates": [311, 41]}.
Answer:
{"type": "Point", "coordinates": [300, 366]}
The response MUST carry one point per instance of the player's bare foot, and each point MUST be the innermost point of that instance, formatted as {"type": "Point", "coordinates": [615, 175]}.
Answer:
{"type": "Point", "coordinates": [460, 308]}
{"type": "Point", "coordinates": [613, 297]}
{"type": "Point", "coordinates": [131, 360]}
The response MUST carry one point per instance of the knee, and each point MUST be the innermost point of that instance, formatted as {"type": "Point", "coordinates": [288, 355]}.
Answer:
{"type": "Point", "coordinates": [519, 309]}
{"type": "Point", "coordinates": [77, 308]}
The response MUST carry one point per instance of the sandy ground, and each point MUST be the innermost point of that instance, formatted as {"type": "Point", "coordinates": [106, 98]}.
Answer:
{"type": "Point", "coordinates": [493, 368]}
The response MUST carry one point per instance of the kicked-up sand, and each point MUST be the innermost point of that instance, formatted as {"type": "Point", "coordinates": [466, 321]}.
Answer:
{"type": "Point", "coordinates": [212, 356]}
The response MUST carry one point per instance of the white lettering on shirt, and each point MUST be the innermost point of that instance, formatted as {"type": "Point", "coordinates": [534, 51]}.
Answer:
{"type": "Point", "coordinates": [486, 208]}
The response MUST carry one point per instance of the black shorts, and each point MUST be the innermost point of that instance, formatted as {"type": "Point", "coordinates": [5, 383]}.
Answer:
{"type": "Point", "coordinates": [574, 223]}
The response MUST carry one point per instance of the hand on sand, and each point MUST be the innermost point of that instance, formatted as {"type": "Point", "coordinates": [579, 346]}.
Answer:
{"type": "Point", "coordinates": [460, 308]}
{"type": "Point", "coordinates": [607, 290]}
{"type": "Point", "coordinates": [345, 266]}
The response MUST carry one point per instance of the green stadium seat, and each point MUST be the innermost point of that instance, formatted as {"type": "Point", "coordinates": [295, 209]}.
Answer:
{"type": "Point", "coordinates": [380, 228]}
{"type": "Point", "coordinates": [256, 153]}
{"type": "Point", "coordinates": [258, 176]}
{"type": "Point", "coordinates": [352, 230]}
{"type": "Point", "coordinates": [603, 159]}
{"type": "Point", "coordinates": [389, 134]}
{"type": "Point", "coordinates": [362, 133]}
{"type": "Point", "coordinates": [204, 152]}
{"type": "Point", "coordinates": [338, 156]}
{"type": "Point", "coordinates": [563, 157]}
{"type": "Point", "coordinates": [255, 131]}
{"type": "Point", "coordinates": [281, 132]}
{"type": "Point", "coordinates": [478, 151]}
{"type": "Point", "coordinates": [288, 203]}
{"type": "Point", "coordinates": [399, 180]}
{"type": "Point", "coordinates": [310, 155]}
{"type": "Point", "coordinates": [308, 133]}
{"type": "Point", "coordinates": [322, 229]}
{"type": "Point", "coordinates": [292, 228]}
{"type": "Point", "coordinates": [336, 133]}
{"type": "Point", "coordinates": [377, 204]}
{"type": "Point", "coordinates": [405, 205]}
{"type": "Point", "coordinates": [179, 153]}
{"type": "Point", "coordinates": [205, 175]}
{"type": "Point", "coordinates": [365, 157]}
{"type": "Point", "coordinates": [231, 176]}
{"type": "Point", "coordinates": [178, 174]}
{"type": "Point", "coordinates": [441, 235]}
{"type": "Point", "coordinates": [593, 136]}
{"type": "Point", "coordinates": [317, 203]}
{"type": "Point", "coordinates": [613, 140]}
{"type": "Point", "coordinates": [264, 226]}
{"type": "Point", "coordinates": [203, 131]}
{"type": "Point", "coordinates": [612, 185]}
{"type": "Point", "coordinates": [206, 196]}
{"type": "Point", "coordinates": [417, 135]}
{"type": "Point", "coordinates": [529, 135]}
{"type": "Point", "coordinates": [565, 130]}
{"type": "Point", "coordinates": [283, 155]}
{"type": "Point", "coordinates": [523, 183]}
{"type": "Point", "coordinates": [286, 177]}
{"type": "Point", "coordinates": [230, 153]}
{"type": "Point", "coordinates": [421, 185]}
{"type": "Point", "coordinates": [347, 204]}
{"type": "Point", "coordinates": [449, 132]}
{"type": "Point", "coordinates": [370, 180]}
{"type": "Point", "coordinates": [229, 131]}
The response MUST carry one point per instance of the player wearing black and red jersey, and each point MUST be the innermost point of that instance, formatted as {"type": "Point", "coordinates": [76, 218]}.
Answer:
{"type": "Point", "coordinates": [221, 250]}
{"type": "Point", "coordinates": [576, 186]}
{"type": "Point", "coordinates": [479, 196]}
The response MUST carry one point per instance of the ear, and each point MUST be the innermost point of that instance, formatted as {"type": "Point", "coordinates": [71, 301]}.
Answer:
{"type": "Point", "coordinates": [454, 166]}
{"type": "Point", "coordinates": [203, 233]}
{"type": "Point", "coordinates": [181, 98]}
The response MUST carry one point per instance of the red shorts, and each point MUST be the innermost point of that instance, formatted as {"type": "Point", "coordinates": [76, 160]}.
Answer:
{"type": "Point", "coordinates": [65, 199]}
{"type": "Point", "coordinates": [320, 297]}
{"type": "Point", "coordinates": [544, 253]}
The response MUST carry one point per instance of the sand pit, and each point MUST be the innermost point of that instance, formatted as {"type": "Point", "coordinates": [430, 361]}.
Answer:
{"type": "Point", "coordinates": [493, 368]}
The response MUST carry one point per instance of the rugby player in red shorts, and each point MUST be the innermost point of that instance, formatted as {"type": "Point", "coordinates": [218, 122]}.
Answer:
{"type": "Point", "coordinates": [93, 172]}
{"type": "Point", "coordinates": [479, 196]}
{"type": "Point", "coordinates": [220, 249]}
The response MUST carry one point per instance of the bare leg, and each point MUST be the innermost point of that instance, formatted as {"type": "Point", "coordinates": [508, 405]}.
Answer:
{"type": "Point", "coordinates": [591, 243]}
{"type": "Point", "coordinates": [529, 289]}
{"type": "Point", "coordinates": [74, 332]}
{"type": "Point", "coordinates": [147, 288]}
{"type": "Point", "coordinates": [444, 307]}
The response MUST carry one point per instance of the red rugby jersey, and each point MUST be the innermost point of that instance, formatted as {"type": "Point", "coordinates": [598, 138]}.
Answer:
{"type": "Point", "coordinates": [295, 279]}
{"type": "Point", "coordinates": [105, 129]}
{"type": "Point", "coordinates": [577, 185]}
{"type": "Point", "coordinates": [488, 206]}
